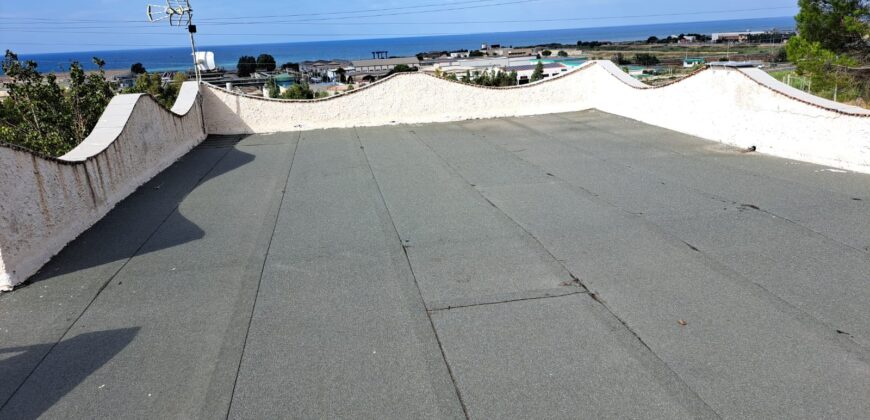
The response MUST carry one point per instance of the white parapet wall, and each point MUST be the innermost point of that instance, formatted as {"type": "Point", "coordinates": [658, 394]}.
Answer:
{"type": "Point", "coordinates": [45, 203]}
{"type": "Point", "coordinates": [742, 107]}
{"type": "Point", "coordinates": [738, 107]}
{"type": "Point", "coordinates": [403, 98]}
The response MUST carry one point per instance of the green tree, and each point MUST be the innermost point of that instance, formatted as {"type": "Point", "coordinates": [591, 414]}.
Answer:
{"type": "Point", "coordinates": [272, 88]}
{"type": "Point", "coordinates": [152, 84]}
{"type": "Point", "coordinates": [546, 53]}
{"type": "Point", "coordinates": [342, 74]}
{"type": "Point", "coordinates": [562, 54]}
{"type": "Point", "coordinates": [645, 59]}
{"type": "Point", "coordinates": [290, 67]}
{"type": "Point", "coordinates": [837, 25]}
{"type": "Point", "coordinates": [147, 83]}
{"type": "Point", "coordinates": [247, 66]}
{"type": "Point", "coordinates": [402, 68]}
{"type": "Point", "coordinates": [476, 53]}
{"type": "Point", "coordinates": [620, 59]}
{"type": "Point", "coordinates": [137, 68]}
{"type": "Point", "coordinates": [538, 73]}
{"type": "Point", "coordinates": [42, 116]}
{"type": "Point", "coordinates": [266, 62]}
{"type": "Point", "coordinates": [300, 91]}
{"type": "Point", "coordinates": [834, 41]}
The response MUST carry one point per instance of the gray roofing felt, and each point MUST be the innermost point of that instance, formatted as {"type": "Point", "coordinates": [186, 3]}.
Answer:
{"type": "Point", "coordinates": [562, 266]}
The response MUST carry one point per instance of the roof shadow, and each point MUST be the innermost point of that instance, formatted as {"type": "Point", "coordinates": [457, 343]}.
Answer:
{"type": "Point", "coordinates": [67, 365]}
{"type": "Point", "coordinates": [126, 230]}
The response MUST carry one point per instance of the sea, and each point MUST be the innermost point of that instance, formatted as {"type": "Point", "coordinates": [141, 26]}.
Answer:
{"type": "Point", "coordinates": [165, 59]}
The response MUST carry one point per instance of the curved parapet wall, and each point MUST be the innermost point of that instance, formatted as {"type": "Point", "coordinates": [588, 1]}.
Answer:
{"type": "Point", "coordinates": [742, 108]}
{"type": "Point", "coordinates": [45, 203]}
{"type": "Point", "coordinates": [738, 107]}
{"type": "Point", "coordinates": [401, 98]}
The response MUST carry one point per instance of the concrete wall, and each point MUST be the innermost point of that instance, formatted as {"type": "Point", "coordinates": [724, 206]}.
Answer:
{"type": "Point", "coordinates": [402, 98]}
{"type": "Point", "coordinates": [739, 107]}
{"type": "Point", "coordinates": [743, 108]}
{"type": "Point", "coordinates": [45, 203]}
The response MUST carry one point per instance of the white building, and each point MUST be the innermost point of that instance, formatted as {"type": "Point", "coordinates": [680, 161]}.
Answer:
{"type": "Point", "coordinates": [524, 72]}
{"type": "Point", "coordinates": [383, 65]}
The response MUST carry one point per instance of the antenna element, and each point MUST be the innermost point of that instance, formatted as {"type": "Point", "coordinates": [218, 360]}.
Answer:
{"type": "Point", "coordinates": [177, 13]}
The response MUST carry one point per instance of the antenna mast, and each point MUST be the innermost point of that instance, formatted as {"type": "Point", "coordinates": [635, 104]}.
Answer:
{"type": "Point", "coordinates": [178, 13]}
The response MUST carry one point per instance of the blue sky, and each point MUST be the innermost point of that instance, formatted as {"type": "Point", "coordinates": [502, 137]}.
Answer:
{"type": "Point", "coordinates": [66, 25]}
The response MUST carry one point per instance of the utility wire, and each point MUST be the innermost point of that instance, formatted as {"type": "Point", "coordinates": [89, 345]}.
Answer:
{"type": "Point", "coordinates": [233, 19]}
{"type": "Point", "coordinates": [452, 22]}
{"type": "Point", "coordinates": [439, 4]}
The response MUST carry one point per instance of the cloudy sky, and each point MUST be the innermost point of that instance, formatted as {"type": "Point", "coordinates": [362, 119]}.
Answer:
{"type": "Point", "coordinates": [66, 25]}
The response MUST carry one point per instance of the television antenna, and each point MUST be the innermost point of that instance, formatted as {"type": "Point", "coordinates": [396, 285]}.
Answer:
{"type": "Point", "coordinates": [177, 13]}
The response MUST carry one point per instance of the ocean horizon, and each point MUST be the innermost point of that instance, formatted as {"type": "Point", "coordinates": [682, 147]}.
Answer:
{"type": "Point", "coordinates": [178, 58]}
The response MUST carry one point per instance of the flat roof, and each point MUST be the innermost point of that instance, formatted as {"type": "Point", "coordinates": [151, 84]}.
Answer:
{"type": "Point", "coordinates": [533, 66]}
{"type": "Point", "coordinates": [386, 61]}
{"type": "Point", "coordinates": [566, 265]}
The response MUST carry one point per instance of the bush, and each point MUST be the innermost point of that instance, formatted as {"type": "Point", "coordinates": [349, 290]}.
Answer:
{"type": "Point", "coordinates": [42, 116]}
{"type": "Point", "coordinates": [152, 84]}
{"type": "Point", "coordinates": [302, 91]}
{"type": "Point", "coordinates": [620, 59]}
{"type": "Point", "coordinates": [645, 59]}
{"type": "Point", "coordinates": [495, 78]}
{"type": "Point", "coordinates": [137, 68]}
{"type": "Point", "coordinates": [272, 88]}
{"type": "Point", "coordinates": [562, 54]}
{"type": "Point", "coordinates": [290, 66]}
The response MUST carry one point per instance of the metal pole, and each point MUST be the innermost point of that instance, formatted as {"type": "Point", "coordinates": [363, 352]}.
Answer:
{"type": "Point", "coordinates": [193, 47]}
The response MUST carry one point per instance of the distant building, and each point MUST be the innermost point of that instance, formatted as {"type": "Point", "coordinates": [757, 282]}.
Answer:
{"type": "Point", "coordinates": [524, 73]}
{"type": "Point", "coordinates": [636, 71]}
{"type": "Point", "coordinates": [733, 36]}
{"type": "Point", "coordinates": [383, 65]}
{"type": "Point", "coordinates": [686, 39]}
{"type": "Point", "coordinates": [284, 81]}
{"type": "Point", "coordinates": [126, 80]}
{"type": "Point", "coordinates": [565, 61]}
{"type": "Point", "coordinates": [481, 62]}
{"type": "Point", "coordinates": [692, 62]}
{"type": "Point", "coordinates": [322, 66]}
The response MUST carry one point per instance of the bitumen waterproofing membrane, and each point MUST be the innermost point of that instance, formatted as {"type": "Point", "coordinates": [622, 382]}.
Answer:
{"type": "Point", "coordinates": [574, 265]}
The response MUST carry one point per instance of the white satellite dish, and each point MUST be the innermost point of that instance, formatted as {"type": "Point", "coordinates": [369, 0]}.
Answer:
{"type": "Point", "coordinates": [205, 61]}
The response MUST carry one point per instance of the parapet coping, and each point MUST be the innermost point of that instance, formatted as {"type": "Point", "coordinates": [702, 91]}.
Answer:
{"type": "Point", "coordinates": [404, 74]}
{"type": "Point", "coordinates": [753, 74]}
{"type": "Point", "coordinates": [113, 122]}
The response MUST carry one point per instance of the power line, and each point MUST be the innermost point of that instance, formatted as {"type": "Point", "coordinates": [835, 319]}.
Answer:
{"type": "Point", "coordinates": [443, 22]}
{"type": "Point", "coordinates": [439, 9]}
{"type": "Point", "coordinates": [465, 22]}
{"type": "Point", "coordinates": [244, 34]}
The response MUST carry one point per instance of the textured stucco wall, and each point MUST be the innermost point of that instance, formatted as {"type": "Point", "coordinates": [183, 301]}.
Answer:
{"type": "Point", "coordinates": [46, 203]}
{"type": "Point", "coordinates": [739, 107]}
{"type": "Point", "coordinates": [743, 107]}
{"type": "Point", "coordinates": [403, 98]}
